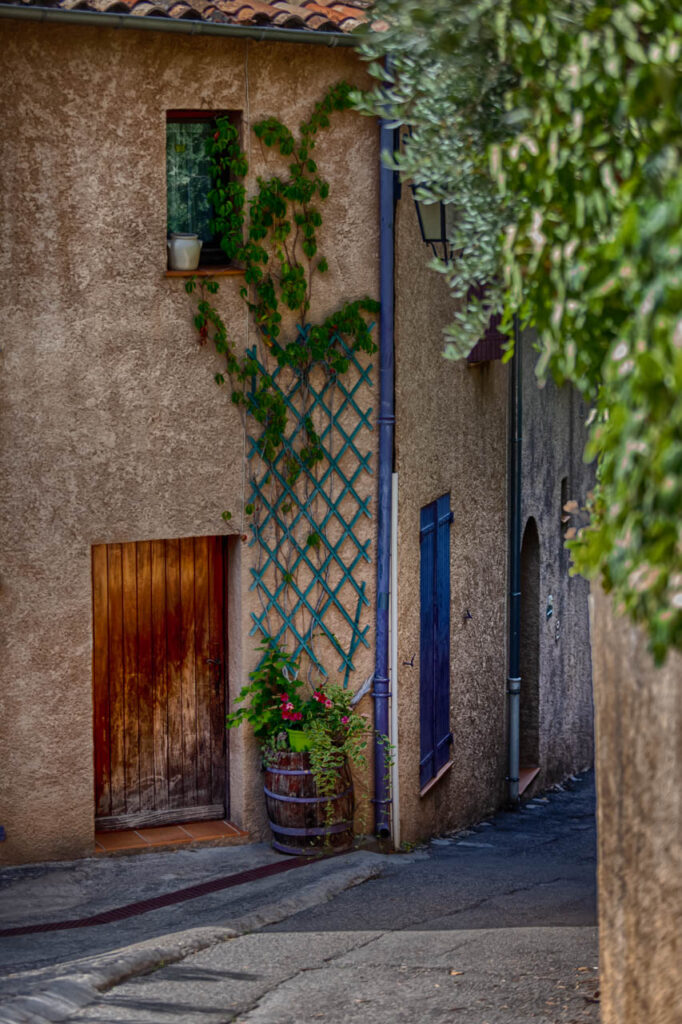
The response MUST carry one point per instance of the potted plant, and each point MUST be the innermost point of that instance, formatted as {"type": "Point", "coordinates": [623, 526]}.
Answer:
{"type": "Point", "coordinates": [309, 734]}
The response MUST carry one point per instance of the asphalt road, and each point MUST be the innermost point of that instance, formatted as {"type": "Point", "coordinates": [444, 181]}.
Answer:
{"type": "Point", "coordinates": [494, 927]}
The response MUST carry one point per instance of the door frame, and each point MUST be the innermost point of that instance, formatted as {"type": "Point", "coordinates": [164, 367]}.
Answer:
{"type": "Point", "coordinates": [168, 816]}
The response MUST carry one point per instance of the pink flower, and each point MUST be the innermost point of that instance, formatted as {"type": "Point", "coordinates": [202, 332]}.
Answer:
{"type": "Point", "coordinates": [297, 716]}
{"type": "Point", "coordinates": [284, 697]}
{"type": "Point", "coordinates": [328, 703]}
{"type": "Point", "coordinates": [289, 706]}
{"type": "Point", "coordinates": [344, 720]}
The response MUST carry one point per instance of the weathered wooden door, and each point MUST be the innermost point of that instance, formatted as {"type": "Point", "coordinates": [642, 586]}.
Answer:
{"type": "Point", "coordinates": [159, 616]}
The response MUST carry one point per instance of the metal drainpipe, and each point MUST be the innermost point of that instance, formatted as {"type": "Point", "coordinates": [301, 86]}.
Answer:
{"type": "Point", "coordinates": [386, 421]}
{"type": "Point", "coordinates": [514, 676]}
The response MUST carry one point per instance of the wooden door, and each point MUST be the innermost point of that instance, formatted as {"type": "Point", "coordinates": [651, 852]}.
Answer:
{"type": "Point", "coordinates": [159, 658]}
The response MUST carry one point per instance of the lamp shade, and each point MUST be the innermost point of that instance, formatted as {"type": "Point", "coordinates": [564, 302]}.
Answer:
{"type": "Point", "coordinates": [434, 222]}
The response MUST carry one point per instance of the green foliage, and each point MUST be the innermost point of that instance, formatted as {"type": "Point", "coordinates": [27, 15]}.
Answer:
{"type": "Point", "coordinates": [444, 86]}
{"type": "Point", "coordinates": [260, 700]}
{"type": "Point", "coordinates": [275, 237]}
{"type": "Point", "coordinates": [228, 166]}
{"type": "Point", "coordinates": [581, 145]}
{"type": "Point", "coordinates": [277, 254]}
{"type": "Point", "coordinates": [337, 735]}
{"type": "Point", "coordinates": [277, 700]}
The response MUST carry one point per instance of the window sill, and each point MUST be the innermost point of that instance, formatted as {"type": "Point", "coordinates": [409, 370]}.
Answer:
{"type": "Point", "coordinates": [429, 785]}
{"type": "Point", "coordinates": [207, 272]}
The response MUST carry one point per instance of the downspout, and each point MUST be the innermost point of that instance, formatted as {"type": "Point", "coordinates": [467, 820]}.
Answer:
{"type": "Point", "coordinates": [514, 675]}
{"type": "Point", "coordinates": [386, 421]}
{"type": "Point", "coordinates": [395, 752]}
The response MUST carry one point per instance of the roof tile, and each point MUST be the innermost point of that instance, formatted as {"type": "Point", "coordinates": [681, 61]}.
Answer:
{"type": "Point", "coordinates": [305, 15]}
{"type": "Point", "coordinates": [184, 10]}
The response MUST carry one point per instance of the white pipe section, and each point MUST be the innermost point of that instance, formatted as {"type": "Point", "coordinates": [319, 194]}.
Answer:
{"type": "Point", "coordinates": [395, 785]}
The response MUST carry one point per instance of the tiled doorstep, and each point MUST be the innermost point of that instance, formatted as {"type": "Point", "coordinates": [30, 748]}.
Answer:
{"type": "Point", "coordinates": [526, 776]}
{"type": "Point", "coordinates": [205, 833]}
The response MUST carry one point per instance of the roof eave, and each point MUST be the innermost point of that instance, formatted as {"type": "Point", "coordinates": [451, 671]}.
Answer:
{"type": "Point", "coordinates": [184, 26]}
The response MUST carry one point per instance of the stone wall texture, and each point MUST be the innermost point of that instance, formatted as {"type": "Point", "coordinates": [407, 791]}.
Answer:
{"type": "Point", "coordinates": [638, 711]}
{"type": "Point", "coordinates": [451, 437]}
{"type": "Point", "coordinates": [114, 431]}
{"type": "Point", "coordinates": [452, 426]}
{"type": "Point", "coordinates": [553, 471]}
{"type": "Point", "coordinates": [112, 427]}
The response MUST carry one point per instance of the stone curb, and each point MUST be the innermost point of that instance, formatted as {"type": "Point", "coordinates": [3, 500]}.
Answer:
{"type": "Point", "coordinates": [86, 979]}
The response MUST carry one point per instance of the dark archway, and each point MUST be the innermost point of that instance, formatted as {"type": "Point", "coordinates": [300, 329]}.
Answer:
{"type": "Point", "coordinates": [529, 740]}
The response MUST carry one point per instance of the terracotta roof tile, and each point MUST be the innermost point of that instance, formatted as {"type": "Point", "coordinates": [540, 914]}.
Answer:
{"type": "Point", "coordinates": [305, 15]}
{"type": "Point", "coordinates": [147, 9]}
{"type": "Point", "coordinates": [184, 10]}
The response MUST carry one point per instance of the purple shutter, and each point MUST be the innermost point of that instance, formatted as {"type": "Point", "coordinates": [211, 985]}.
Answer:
{"type": "Point", "coordinates": [434, 641]}
{"type": "Point", "coordinates": [491, 345]}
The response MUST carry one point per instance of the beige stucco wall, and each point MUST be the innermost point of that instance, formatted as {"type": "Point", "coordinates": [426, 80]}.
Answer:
{"type": "Point", "coordinates": [639, 764]}
{"type": "Point", "coordinates": [451, 436]}
{"type": "Point", "coordinates": [112, 427]}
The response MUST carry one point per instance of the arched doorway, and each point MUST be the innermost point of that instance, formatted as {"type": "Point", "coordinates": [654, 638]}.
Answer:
{"type": "Point", "coordinates": [529, 739]}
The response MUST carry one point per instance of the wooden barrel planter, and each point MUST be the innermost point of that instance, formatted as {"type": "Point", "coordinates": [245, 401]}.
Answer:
{"type": "Point", "coordinates": [302, 821]}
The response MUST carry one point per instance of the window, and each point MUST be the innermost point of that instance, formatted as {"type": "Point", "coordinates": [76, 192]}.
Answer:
{"type": "Point", "coordinates": [188, 179]}
{"type": "Point", "coordinates": [434, 639]}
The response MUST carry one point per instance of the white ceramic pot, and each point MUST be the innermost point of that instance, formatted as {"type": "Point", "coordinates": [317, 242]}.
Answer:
{"type": "Point", "coordinates": [184, 251]}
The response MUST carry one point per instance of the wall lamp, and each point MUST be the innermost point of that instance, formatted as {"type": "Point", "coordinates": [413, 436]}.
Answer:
{"type": "Point", "coordinates": [435, 223]}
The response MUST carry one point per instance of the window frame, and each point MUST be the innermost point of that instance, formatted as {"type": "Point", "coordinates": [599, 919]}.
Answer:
{"type": "Point", "coordinates": [212, 256]}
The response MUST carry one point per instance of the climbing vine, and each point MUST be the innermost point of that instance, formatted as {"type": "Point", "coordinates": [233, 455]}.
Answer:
{"type": "Point", "coordinates": [274, 235]}
{"type": "Point", "coordinates": [552, 130]}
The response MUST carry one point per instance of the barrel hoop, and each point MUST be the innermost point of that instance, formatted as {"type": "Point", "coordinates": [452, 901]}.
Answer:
{"type": "Point", "coordinates": [306, 799]}
{"type": "Point", "coordinates": [329, 830]}
{"type": "Point", "coordinates": [308, 851]}
{"type": "Point", "coordinates": [288, 771]}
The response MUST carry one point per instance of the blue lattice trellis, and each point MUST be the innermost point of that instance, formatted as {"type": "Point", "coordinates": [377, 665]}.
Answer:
{"type": "Point", "coordinates": [303, 586]}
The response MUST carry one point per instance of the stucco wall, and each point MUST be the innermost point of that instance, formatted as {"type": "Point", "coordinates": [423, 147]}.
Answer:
{"type": "Point", "coordinates": [451, 436]}
{"type": "Point", "coordinates": [639, 765]}
{"type": "Point", "coordinates": [112, 427]}
{"type": "Point", "coordinates": [554, 434]}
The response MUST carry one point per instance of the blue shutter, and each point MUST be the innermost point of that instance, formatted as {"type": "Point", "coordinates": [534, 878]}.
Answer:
{"type": "Point", "coordinates": [434, 649]}
{"type": "Point", "coordinates": [427, 572]}
{"type": "Point", "coordinates": [441, 682]}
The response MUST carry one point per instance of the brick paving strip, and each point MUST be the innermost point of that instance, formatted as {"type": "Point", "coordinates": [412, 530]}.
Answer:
{"type": "Point", "coordinates": [58, 991]}
{"type": "Point", "coordinates": [166, 899]}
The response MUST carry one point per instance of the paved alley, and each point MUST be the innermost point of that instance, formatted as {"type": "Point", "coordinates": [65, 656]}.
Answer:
{"type": "Point", "coordinates": [495, 926]}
